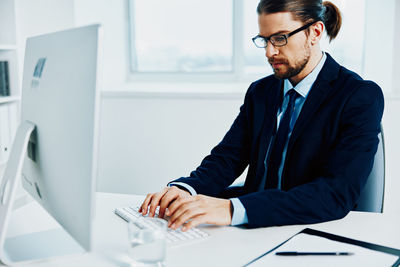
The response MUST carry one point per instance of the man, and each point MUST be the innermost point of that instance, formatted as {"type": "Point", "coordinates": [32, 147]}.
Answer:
{"type": "Point", "coordinates": [308, 134]}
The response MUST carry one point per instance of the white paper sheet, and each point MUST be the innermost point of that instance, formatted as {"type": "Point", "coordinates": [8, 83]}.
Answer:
{"type": "Point", "coordinates": [309, 243]}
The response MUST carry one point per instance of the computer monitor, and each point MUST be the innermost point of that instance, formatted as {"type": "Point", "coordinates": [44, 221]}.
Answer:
{"type": "Point", "coordinates": [58, 137]}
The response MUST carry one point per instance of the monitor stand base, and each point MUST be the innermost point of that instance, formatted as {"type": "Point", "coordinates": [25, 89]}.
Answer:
{"type": "Point", "coordinates": [39, 246]}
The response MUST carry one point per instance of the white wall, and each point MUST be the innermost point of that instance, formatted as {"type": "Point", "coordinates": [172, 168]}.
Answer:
{"type": "Point", "coordinates": [146, 140]}
{"type": "Point", "coordinates": [379, 44]}
{"type": "Point", "coordinates": [396, 51]}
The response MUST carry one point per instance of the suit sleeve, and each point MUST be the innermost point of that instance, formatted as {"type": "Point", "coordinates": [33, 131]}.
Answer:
{"type": "Point", "coordinates": [227, 160]}
{"type": "Point", "coordinates": [349, 161]}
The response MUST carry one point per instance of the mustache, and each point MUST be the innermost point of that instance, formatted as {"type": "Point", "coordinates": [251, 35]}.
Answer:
{"type": "Point", "coordinates": [277, 61]}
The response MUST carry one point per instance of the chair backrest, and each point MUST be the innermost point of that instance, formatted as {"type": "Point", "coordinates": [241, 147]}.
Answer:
{"type": "Point", "coordinates": [371, 198]}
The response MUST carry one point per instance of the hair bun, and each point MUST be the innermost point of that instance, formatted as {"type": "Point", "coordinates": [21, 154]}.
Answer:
{"type": "Point", "coordinates": [332, 19]}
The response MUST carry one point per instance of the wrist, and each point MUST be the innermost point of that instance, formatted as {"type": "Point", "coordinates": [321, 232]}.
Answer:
{"type": "Point", "coordinates": [183, 189]}
{"type": "Point", "coordinates": [230, 209]}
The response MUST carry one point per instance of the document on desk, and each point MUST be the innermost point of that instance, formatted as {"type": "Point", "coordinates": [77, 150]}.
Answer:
{"type": "Point", "coordinates": [303, 242]}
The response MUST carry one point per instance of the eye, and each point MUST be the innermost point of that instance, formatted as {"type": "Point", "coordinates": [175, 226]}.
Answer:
{"type": "Point", "coordinates": [278, 39]}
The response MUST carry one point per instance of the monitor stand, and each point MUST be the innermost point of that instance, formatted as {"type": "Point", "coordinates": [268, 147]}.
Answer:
{"type": "Point", "coordinates": [33, 246]}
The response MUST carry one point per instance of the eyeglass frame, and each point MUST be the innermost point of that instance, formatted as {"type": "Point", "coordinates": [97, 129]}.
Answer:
{"type": "Point", "coordinates": [286, 36]}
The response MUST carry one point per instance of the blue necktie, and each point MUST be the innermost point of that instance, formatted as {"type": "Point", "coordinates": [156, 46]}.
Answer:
{"type": "Point", "coordinates": [275, 157]}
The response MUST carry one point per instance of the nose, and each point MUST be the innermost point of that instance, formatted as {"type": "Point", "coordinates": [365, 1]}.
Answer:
{"type": "Point", "coordinates": [270, 50]}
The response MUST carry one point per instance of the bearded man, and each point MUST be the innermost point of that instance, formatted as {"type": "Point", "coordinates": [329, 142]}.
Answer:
{"type": "Point", "coordinates": [308, 134]}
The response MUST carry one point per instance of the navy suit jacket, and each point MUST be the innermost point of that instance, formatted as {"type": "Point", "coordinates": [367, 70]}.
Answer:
{"type": "Point", "coordinates": [329, 156]}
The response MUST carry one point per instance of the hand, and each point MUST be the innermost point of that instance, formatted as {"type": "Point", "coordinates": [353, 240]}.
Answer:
{"type": "Point", "coordinates": [163, 199]}
{"type": "Point", "coordinates": [199, 209]}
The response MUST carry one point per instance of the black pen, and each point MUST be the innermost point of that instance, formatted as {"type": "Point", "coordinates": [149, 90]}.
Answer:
{"type": "Point", "coordinates": [297, 253]}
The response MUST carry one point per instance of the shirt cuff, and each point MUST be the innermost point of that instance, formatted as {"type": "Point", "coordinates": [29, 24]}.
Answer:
{"type": "Point", "coordinates": [239, 215]}
{"type": "Point", "coordinates": [186, 186]}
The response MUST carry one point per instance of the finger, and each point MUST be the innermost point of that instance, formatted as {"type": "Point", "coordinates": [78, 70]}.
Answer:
{"type": "Point", "coordinates": [184, 214]}
{"type": "Point", "coordinates": [155, 201]}
{"type": "Point", "coordinates": [179, 211]}
{"type": "Point", "coordinates": [176, 205]}
{"type": "Point", "coordinates": [195, 222]}
{"type": "Point", "coordinates": [143, 208]}
{"type": "Point", "coordinates": [168, 198]}
{"type": "Point", "coordinates": [185, 217]}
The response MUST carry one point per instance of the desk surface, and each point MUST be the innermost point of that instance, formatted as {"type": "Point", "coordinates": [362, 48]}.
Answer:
{"type": "Point", "coordinates": [226, 246]}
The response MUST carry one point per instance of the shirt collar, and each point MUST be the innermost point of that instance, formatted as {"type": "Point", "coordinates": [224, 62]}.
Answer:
{"type": "Point", "coordinates": [304, 86]}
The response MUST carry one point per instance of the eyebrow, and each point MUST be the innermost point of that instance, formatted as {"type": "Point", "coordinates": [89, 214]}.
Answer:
{"type": "Point", "coordinates": [276, 33]}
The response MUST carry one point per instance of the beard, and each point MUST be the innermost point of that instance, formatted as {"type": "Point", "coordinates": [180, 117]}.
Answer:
{"type": "Point", "coordinates": [291, 69]}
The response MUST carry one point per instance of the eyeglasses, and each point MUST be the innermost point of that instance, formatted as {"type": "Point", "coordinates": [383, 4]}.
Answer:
{"type": "Point", "coordinates": [277, 39]}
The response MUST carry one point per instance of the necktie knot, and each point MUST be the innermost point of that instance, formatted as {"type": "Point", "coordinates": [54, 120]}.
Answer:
{"type": "Point", "coordinates": [292, 96]}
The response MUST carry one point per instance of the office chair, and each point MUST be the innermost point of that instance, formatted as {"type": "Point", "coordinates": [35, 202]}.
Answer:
{"type": "Point", "coordinates": [371, 197]}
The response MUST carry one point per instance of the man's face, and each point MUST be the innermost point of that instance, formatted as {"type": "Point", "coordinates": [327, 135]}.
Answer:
{"type": "Point", "coordinates": [287, 61]}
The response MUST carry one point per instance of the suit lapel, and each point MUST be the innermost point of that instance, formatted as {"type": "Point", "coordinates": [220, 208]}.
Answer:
{"type": "Point", "coordinates": [320, 90]}
{"type": "Point", "coordinates": [316, 96]}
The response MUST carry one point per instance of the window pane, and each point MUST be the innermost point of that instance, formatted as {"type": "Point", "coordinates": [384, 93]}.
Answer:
{"type": "Point", "coordinates": [181, 35]}
{"type": "Point", "coordinates": [255, 60]}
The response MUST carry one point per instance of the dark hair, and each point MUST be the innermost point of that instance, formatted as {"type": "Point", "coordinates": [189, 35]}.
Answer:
{"type": "Point", "coordinates": [307, 11]}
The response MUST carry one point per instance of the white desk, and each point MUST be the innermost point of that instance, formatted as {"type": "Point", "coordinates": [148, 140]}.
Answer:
{"type": "Point", "coordinates": [227, 246]}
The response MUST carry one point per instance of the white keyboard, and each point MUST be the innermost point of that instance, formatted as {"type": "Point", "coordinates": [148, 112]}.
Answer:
{"type": "Point", "coordinates": [131, 214]}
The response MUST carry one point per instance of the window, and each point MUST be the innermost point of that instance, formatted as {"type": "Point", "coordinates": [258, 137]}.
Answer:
{"type": "Point", "coordinates": [181, 37]}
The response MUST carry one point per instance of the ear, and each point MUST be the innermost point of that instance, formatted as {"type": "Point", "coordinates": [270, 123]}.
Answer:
{"type": "Point", "coordinates": [316, 31]}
